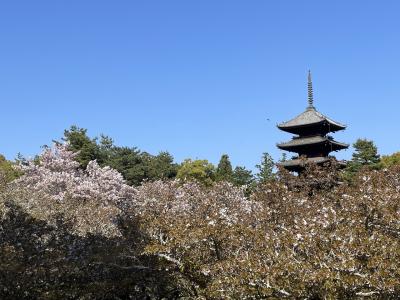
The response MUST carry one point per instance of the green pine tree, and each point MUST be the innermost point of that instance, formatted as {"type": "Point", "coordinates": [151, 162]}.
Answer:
{"type": "Point", "coordinates": [224, 169]}
{"type": "Point", "coordinates": [365, 156]}
{"type": "Point", "coordinates": [265, 168]}
{"type": "Point", "coordinates": [162, 166]}
{"type": "Point", "coordinates": [242, 176]}
{"type": "Point", "coordinates": [80, 142]}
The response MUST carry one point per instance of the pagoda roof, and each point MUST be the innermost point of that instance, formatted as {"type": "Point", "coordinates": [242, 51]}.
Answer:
{"type": "Point", "coordinates": [308, 118]}
{"type": "Point", "coordinates": [301, 161]}
{"type": "Point", "coordinates": [312, 140]}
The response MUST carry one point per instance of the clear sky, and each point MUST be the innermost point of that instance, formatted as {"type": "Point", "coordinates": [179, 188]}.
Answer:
{"type": "Point", "coordinates": [197, 78]}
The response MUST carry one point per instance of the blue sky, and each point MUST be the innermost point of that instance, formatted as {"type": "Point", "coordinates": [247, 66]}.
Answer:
{"type": "Point", "coordinates": [196, 78]}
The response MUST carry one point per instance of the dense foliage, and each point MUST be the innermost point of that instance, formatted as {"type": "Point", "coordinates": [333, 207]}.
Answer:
{"type": "Point", "coordinates": [365, 156]}
{"type": "Point", "coordinates": [65, 234]}
{"type": "Point", "coordinates": [137, 166]}
{"type": "Point", "coordinates": [224, 169]}
{"type": "Point", "coordinates": [199, 169]}
{"type": "Point", "coordinates": [79, 230]}
{"type": "Point", "coordinates": [265, 168]}
{"type": "Point", "coordinates": [390, 160]}
{"type": "Point", "coordinates": [134, 165]}
{"type": "Point", "coordinates": [7, 169]}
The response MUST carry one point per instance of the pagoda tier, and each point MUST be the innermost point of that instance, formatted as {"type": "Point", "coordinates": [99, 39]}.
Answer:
{"type": "Point", "coordinates": [309, 122]}
{"type": "Point", "coordinates": [297, 164]}
{"type": "Point", "coordinates": [312, 143]}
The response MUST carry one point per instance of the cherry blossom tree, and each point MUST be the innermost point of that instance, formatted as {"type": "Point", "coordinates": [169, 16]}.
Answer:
{"type": "Point", "coordinates": [65, 234]}
{"type": "Point", "coordinates": [90, 199]}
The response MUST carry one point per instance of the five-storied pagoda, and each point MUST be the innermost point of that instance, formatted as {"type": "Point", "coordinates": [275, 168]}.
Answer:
{"type": "Point", "coordinates": [312, 142]}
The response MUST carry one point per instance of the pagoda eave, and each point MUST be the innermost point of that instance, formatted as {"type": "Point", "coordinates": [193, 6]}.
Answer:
{"type": "Point", "coordinates": [297, 144]}
{"type": "Point", "coordinates": [322, 126]}
{"type": "Point", "coordinates": [311, 118]}
{"type": "Point", "coordinates": [299, 164]}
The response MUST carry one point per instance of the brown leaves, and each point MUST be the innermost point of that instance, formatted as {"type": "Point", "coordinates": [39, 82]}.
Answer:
{"type": "Point", "coordinates": [309, 236]}
{"type": "Point", "coordinates": [337, 241]}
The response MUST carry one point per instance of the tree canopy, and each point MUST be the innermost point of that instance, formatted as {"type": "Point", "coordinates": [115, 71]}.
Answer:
{"type": "Point", "coordinates": [224, 169]}
{"type": "Point", "coordinates": [132, 163]}
{"type": "Point", "coordinates": [265, 168]}
{"type": "Point", "coordinates": [85, 233]}
{"type": "Point", "coordinates": [242, 176]}
{"type": "Point", "coordinates": [365, 155]}
{"type": "Point", "coordinates": [8, 171]}
{"type": "Point", "coordinates": [200, 170]}
{"type": "Point", "coordinates": [390, 160]}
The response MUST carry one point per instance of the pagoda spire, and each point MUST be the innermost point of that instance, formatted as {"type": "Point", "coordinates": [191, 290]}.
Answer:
{"type": "Point", "coordinates": [310, 92]}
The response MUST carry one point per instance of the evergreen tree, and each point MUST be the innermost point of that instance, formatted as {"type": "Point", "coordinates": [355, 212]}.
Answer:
{"type": "Point", "coordinates": [106, 146]}
{"type": "Point", "coordinates": [130, 162]}
{"type": "Point", "coordinates": [133, 164]}
{"type": "Point", "coordinates": [365, 156]}
{"type": "Point", "coordinates": [162, 166]}
{"type": "Point", "coordinates": [265, 168]}
{"type": "Point", "coordinates": [80, 142]}
{"type": "Point", "coordinates": [242, 176]}
{"type": "Point", "coordinates": [366, 153]}
{"type": "Point", "coordinates": [224, 170]}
